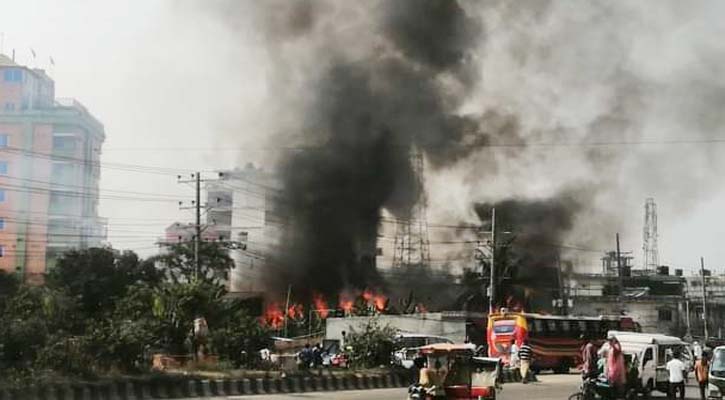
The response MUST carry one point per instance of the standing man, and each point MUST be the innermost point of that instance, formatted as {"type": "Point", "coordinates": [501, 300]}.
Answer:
{"type": "Point", "coordinates": [702, 367]}
{"type": "Point", "coordinates": [676, 368]}
{"type": "Point", "coordinates": [526, 354]}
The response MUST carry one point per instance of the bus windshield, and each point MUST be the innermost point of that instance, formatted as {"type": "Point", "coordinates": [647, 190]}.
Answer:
{"type": "Point", "coordinates": [504, 327]}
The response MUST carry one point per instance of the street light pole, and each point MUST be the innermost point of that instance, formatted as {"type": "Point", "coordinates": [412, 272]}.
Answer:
{"type": "Point", "coordinates": [704, 297]}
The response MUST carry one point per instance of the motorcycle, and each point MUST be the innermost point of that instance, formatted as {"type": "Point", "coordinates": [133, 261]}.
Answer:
{"type": "Point", "coordinates": [418, 392]}
{"type": "Point", "coordinates": [597, 388]}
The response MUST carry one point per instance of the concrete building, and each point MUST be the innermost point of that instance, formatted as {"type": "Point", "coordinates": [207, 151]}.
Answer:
{"type": "Point", "coordinates": [49, 172]}
{"type": "Point", "coordinates": [242, 210]}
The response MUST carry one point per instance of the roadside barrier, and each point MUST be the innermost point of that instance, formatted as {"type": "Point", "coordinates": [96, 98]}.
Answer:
{"type": "Point", "coordinates": [163, 388]}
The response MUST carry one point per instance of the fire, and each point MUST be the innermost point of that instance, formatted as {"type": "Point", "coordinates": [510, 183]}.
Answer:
{"type": "Point", "coordinates": [273, 316]}
{"type": "Point", "coordinates": [296, 311]}
{"type": "Point", "coordinates": [367, 295]}
{"type": "Point", "coordinates": [380, 302]}
{"type": "Point", "coordinates": [346, 305]}
{"type": "Point", "coordinates": [421, 308]}
{"type": "Point", "coordinates": [321, 306]}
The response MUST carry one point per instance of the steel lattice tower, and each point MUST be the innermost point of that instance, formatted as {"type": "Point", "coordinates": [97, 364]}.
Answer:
{"type": "Point", "coordinates": [412, 246]}
{"type": "Point", "coordinates": [649, 236]}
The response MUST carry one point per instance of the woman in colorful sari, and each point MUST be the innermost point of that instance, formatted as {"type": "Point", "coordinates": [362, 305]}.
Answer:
{"type": "Point", "coordinates": [616, 370]}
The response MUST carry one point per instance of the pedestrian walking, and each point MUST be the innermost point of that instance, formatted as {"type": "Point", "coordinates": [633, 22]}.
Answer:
{"type": "Point", "coordinates": [513, 355]}
{"type": "Point", "coordinates": [702, 367]}
{"type": "Point", "coordinates": [677, 369]}
{"type": "Point", "coordinates": [526, 355]}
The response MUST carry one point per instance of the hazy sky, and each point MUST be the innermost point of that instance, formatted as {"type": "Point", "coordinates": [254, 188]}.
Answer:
{"type": "Point", "coordinates": [163, 79]}
{"type": "Point", "coordinates": [159, 80]}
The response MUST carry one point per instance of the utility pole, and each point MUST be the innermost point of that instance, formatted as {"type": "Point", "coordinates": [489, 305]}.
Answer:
{"type": "Point", "coordinates": [687, 315]}
{"type": "Point", "coordinates": [197, 236]}
{"type": "Point", "coordinates": [197, 206]}
{"type": "Point", "coordinates": [492, 283]}
{"type": "Point", "coordinates": [704, 297]}
{"type": "Point", "coordinates": [286, 308]}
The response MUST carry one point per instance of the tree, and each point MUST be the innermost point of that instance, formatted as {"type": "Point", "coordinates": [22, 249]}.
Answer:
{"type": "Point", "coordinates": [372, 345]}
{"type": "Point", "coordinates": [98, 277]}
{"type": "Point", "coordinates": [180, 265]}
{"type": "Point", "coordinates": [239, 337]}
{"type": "Point", "coordinates": [29, 318]}
{"type": "Point", "coordinates": [9, 285]}
{"type": "Point", "coordinates": [176, 305]}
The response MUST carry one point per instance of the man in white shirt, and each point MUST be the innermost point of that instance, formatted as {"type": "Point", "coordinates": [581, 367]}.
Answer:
{"type": "Point", "coordinates": [676, 368]}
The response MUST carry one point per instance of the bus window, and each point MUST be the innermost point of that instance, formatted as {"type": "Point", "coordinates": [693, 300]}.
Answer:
{"type": "Point", "coordinates": [551, 327]}
{"type": "Point", "coordinates": [593, 328]}
{"type": "Point", "coordinates": [565, 326]}
{"type": "Point", "coordinates": [540, 327]}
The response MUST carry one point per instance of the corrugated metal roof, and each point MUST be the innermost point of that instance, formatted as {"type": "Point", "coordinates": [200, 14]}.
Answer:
{"type": "Point", "coordinates": [6, 61]}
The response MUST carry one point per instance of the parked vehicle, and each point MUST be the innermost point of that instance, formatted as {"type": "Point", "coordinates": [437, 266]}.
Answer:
{"type": "Point", "coordinates": [555, 339]}
{"type": "Point", "coordinates": [406, 347]}
{"type": "Point", "coordinates": [652, 352]}
{"type": "Point", "coordinates": [716, 376]}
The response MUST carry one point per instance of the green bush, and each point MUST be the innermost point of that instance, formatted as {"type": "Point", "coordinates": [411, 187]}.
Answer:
{"type": "Point", "coordinates": [372, 345]}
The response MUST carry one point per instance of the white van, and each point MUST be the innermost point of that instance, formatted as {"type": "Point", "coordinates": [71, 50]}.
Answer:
{"type": "Point", "coordinates": [406, 345]}
{"type": "Point", "coordinates": [652, 351]}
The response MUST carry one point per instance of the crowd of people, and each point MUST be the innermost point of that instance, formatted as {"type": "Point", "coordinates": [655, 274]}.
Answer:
{"type": "Point", "coordinates": [609, 364]}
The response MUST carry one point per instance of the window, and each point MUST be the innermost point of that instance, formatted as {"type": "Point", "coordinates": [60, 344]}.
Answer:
{"type": "Point", "coordinates": [4, 139]}
{"type": "Point", "coordinates": [3, 167]}
{"type": "Point", "coordinates": [64, 142]}
{"type": "Point", "coordinates": [63, 173]}
{"type": "Point", "coordinates": [10, 106]}
{"type": "Point", "coordinates": [664, 314]}
{"type": "Point", "coordinates": [2, 251]}
{"type": "Point", "coordinates": [2, 195]}
{"type": "Point", "coordinates": [13, 75]}
{"type": "Point", "coordinates": [2, 223]}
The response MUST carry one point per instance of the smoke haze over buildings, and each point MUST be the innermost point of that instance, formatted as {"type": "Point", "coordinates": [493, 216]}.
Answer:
{"type": "Point", "coordinates": [552, 74]}
{"type": "Point", "coordinates": [506, 101]}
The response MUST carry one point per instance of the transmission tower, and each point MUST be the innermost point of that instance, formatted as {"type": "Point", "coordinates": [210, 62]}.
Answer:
{"type": "Point", "coordinates": [412, 246]}
{"type": "Point", "coordinates": [649, 236]}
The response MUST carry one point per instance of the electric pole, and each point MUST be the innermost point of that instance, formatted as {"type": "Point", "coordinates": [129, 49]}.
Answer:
{"type": "Point", "coordinates": [704, 297]}
{"type": "Point", "coordinates": [492, 283]}
{"type": "Point", "coordinates": [198, 229]}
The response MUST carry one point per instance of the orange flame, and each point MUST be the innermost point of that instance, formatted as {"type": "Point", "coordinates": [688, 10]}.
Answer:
{"type": "Point", "coordinates": [380, 302]}
{"type": "Point", "coordinates": [273, 316]}
{"type": "Point", "coordinates": [296, 311]}
{"type": "Point", "coordinates": [346, 304]}
{"type": "Point", "coordinates": [367, 295]}
{"type": "Point", "coordinates": [321, 306]}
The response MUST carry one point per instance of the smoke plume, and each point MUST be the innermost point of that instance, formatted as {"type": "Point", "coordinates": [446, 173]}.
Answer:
{"type": "Point", "coordinates": [365, 117]}
{"type": "Point", "coordinates": [551, 110]}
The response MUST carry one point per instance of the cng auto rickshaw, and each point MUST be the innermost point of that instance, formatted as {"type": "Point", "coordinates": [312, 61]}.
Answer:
{"type": "Point", "coordinates": [453, 372]}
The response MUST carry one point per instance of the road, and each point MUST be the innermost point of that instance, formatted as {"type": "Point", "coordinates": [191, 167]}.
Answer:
{"type": "Point", "coordinates": [549, 387]}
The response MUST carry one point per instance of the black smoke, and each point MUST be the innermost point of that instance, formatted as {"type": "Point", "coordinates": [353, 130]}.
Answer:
{"type": "Point", "coordinates": [365, 117]}
{"type": "Point", "coordinates": [530, 243]}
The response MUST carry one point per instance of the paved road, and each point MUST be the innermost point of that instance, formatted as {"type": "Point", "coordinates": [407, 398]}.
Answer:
{"type": "Point", "coordinates": [549, 387]}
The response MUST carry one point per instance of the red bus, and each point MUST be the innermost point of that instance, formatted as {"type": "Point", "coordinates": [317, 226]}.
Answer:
{"type": "Point", "coordinates": [555, 339]}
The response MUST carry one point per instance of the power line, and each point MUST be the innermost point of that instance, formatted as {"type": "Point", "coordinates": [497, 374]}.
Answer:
{"type": "Point", "coordinates": [436, 146]}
